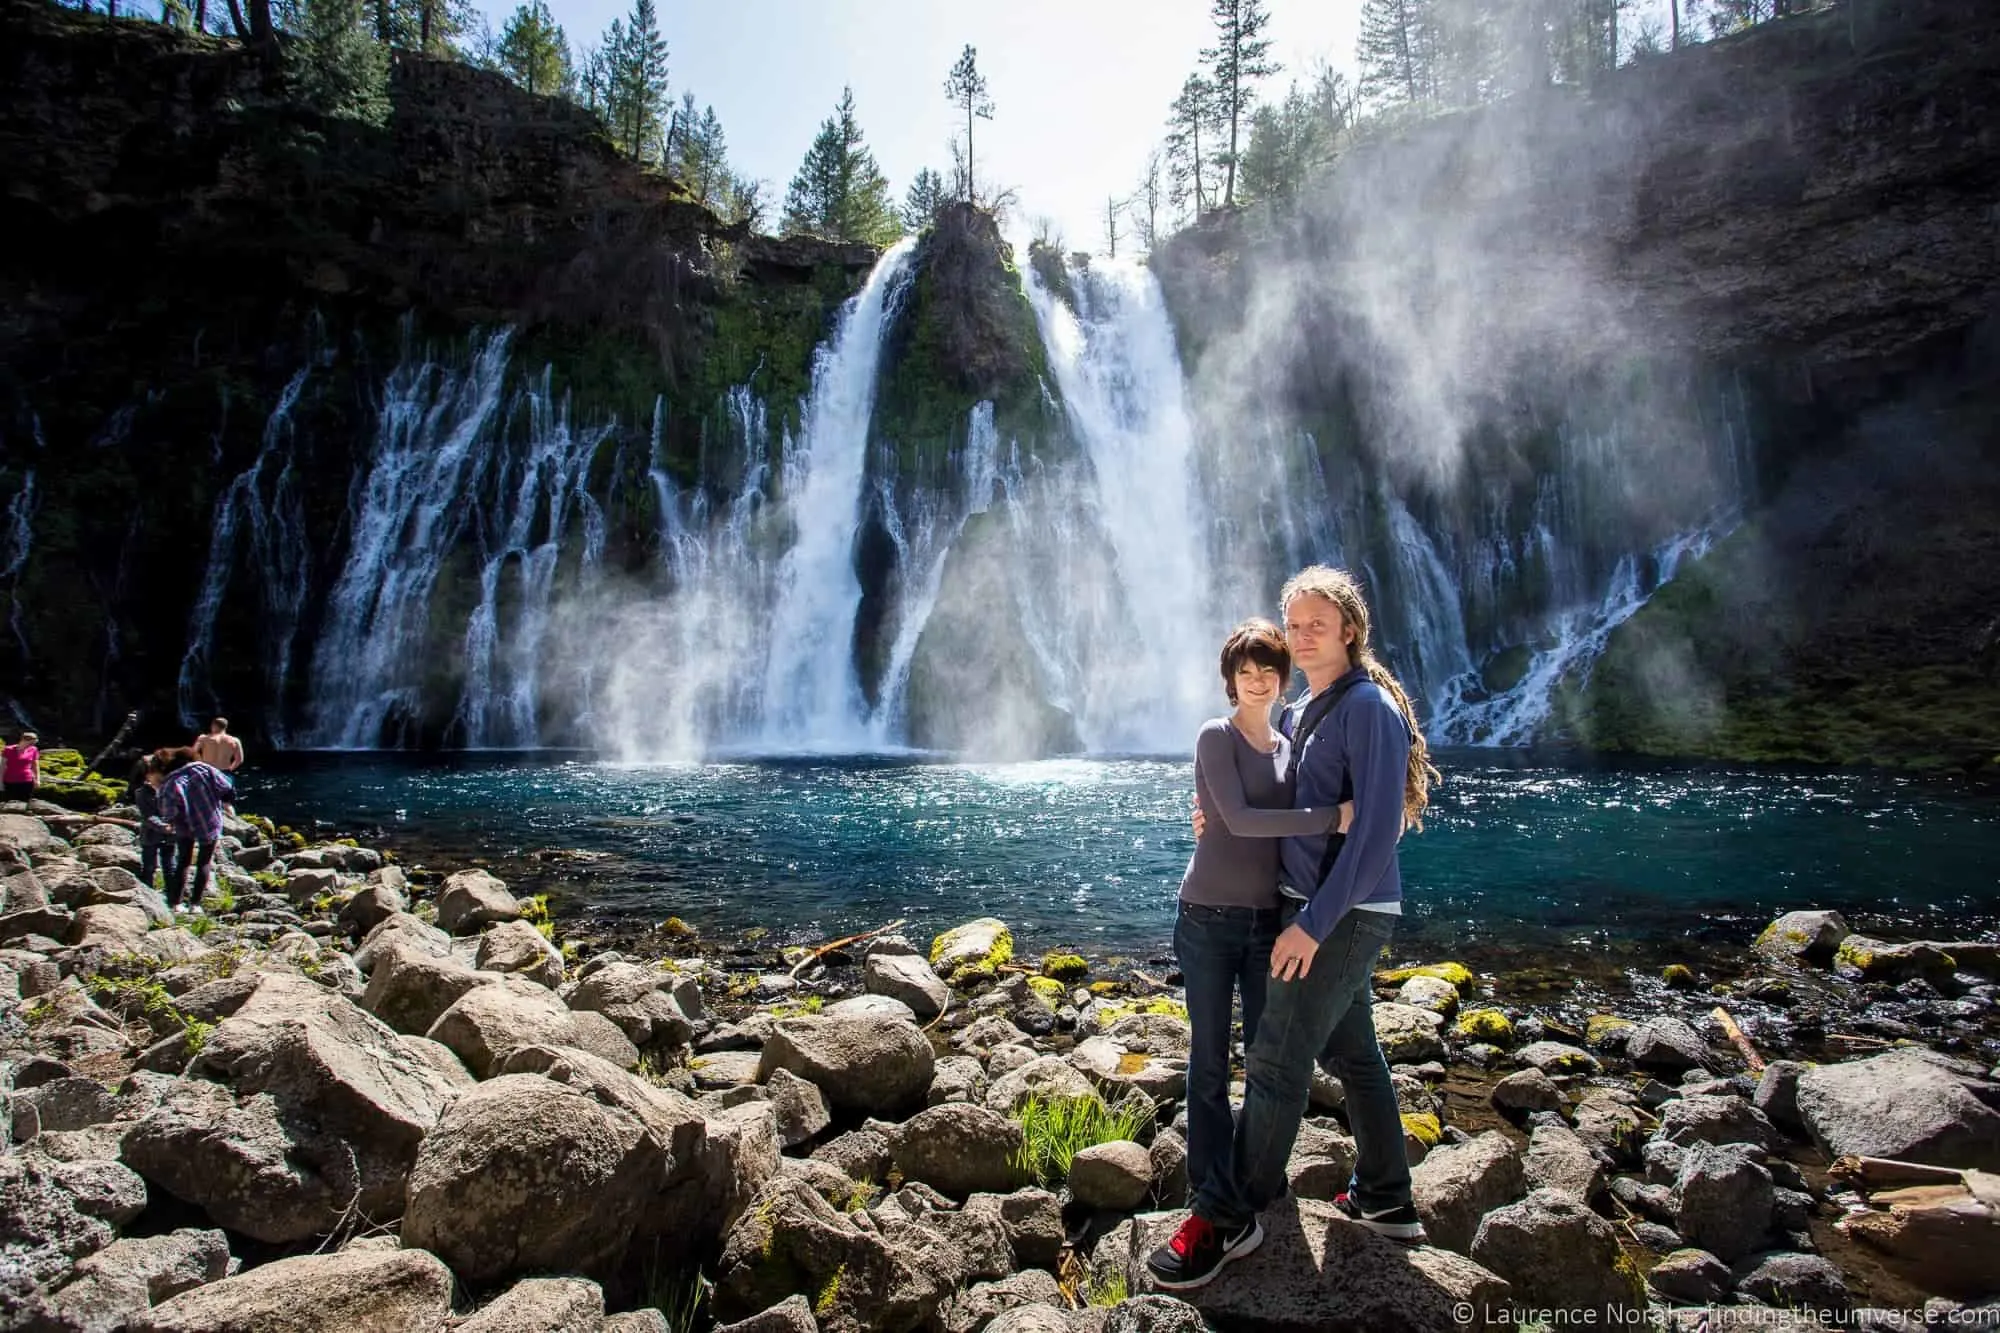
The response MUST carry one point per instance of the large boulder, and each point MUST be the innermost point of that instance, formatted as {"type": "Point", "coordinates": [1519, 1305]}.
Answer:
{"type": "Point", "coordinates": [409, 989]}
{"type": "Point", "coordinates": [43, 1228]}
{"type": "Point", "coordinates": [488, 1022]}
{"type": "Point", "coordinates": [1318, 1272]}
{"type": "Point", "coordinates": [370, 906]}
{"type": "Point", "coordinates": [959, 1148]}
{"type": "Point", "coordinates": [877, 1065]}
{"type": "Point", "coordinates": [1115, 1067]}
{"type": "Point", "coordinates": [1115, 1176]}
{"type": "Point", "coordinates": [1666, 1043]}
{"type": "Point", "coordinates": [527, 1175]}
{"type": "Point", "coordinates": [1458, 1184]}
{"type": "Point", "coordinates": [30, 836]}
{"type": "Point", "coordinates": [1712, 1118]}
{"type": "Point", "coordinates": [1559, 1255]}
{"type": "Point", "coordinates": [1559, 1160]}
{"type": "Point", "coordinates": [1904, 1104]}
{"type": "Point", "coordinates": [517, 947]}
{"type": "Point", "coordinates": [405, 929]}
{"type": "Point", "coordinates": [1408, 1034]}
{"type": "Point", "coordinates": [639, 1000]}
{"type": "Point", "coordinates": [907, 978]}
{"type": "Point", "coordinates": [472, 900]}
{"type": "Point", "coordinates": [1321, 1165]}
{"type": "Point", "coordinates": [251, 1167]}
{"type": "Point", "coordinates": [326, 1063]}
{"type": "Point", "coordinates": [1046, 1077]}
{"type": "Point", "coordinates": [356, 1291]}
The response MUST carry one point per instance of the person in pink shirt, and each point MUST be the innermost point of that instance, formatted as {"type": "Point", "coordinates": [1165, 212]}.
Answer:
{"type": "Point", "coordinates": [21, 768]}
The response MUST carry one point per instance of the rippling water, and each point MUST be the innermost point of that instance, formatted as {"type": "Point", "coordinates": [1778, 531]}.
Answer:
{"type": "Point", "coordinates": [1518, 860]}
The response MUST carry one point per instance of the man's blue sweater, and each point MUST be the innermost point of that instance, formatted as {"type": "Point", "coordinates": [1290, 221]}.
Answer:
{"type": "Point", "coordinates": [1361, 752]}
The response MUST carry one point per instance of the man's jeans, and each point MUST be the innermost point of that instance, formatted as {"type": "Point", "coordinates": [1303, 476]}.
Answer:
{"type": "Point", "coordinates": [1326, 1014]}
{"type": "Point", "coordinates": [1221, 949]}
{"type": "Point", "coordinates": [158, 854]}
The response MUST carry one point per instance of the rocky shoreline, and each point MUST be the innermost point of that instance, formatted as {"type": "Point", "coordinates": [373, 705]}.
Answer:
{"type": "Point", "coordinates": [358, 1094]}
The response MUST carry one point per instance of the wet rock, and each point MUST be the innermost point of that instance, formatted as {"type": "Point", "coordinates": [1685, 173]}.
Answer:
{"type": "Point", "coordinates": [1558, 1058]}
{"type": "Point", "coordinates": [877, 1065]}
{"type": "Point", "coordinates": [1802, 937]}
{"type": "Point", "coordinates": [1722, 1202]}
{"type": "Point", "coordinates": [1528, 1090]}
{"type": "Point", "coordinates": [1694, 1277]}
{"type": "Point", "coordinates": [542, 1305]}
{"type": "Point", "coordinates": [524, 1175]}
{"type": "Point", "coordinates": [1666, 1043]}
{"type": "Point", "coordinates": [1904, 1104]}
{"type": "Point", "coordinates": [907, 978]}
{"type": "Point", "coordinates": [354, 1289]}
{"type": "Point", "coordinates": [1115, 1176]}
{"type": "Point", "coordinates": [959, 1148]}
{"type": "Point", "coordinates": [471, 900]}
{"type": "Point", "coordinates": [1795, 1281]}
{"type": "Point", "coordinates": [1457, 1185]}
{"type": "Point", "coordinates": [1880, 960]}
{"type": "Point", "coordinates": [1557, 1254]}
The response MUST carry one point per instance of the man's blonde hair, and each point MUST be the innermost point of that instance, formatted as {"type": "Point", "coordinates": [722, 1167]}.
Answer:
{"type": "Point", "coordinates": [1344, 591]}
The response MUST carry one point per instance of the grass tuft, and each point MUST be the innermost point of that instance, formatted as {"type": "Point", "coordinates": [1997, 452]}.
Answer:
{"type": "Point", "coordinates": [1055, 1129]}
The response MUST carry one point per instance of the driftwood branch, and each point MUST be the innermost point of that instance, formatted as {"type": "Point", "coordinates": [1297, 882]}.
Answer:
{"type": "Point", "coordinates": [1738, 1039]}
{"type": "Point", "coordinates": [1883, 1173]}
{"type": "Point", "coordinates": [825, 949]}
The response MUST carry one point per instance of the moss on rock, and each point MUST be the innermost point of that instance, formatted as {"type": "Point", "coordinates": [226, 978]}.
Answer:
{"type": "Point", "coordinates": [1458, 974]}
{"type": "Point", "coordinates": [1487, 1025]}
{"type": "Point", "coordinates": [1064, 966]}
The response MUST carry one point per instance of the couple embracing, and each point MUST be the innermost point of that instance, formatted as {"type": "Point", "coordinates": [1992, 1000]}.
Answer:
{"type": "Point", "coordinates": [1292, 895]}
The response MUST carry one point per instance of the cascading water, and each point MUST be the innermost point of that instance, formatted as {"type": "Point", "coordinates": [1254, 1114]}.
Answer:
{"type": "Point", "coordinates": [1114, 360]}
{"type": "Point", "coordinates": [406, 511]}
{"type": "Point", "coordinates": [812, 697]}
{"type": "Point", "coordinates": [538, 487]}
{"type": "Point", "coordinates": [265, 499]}
{"type": "Point", "coordinates": [20, 541]}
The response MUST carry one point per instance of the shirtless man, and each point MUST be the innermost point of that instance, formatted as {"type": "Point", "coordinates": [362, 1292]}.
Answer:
{"type": "Point", "coordinates": [217, 748]}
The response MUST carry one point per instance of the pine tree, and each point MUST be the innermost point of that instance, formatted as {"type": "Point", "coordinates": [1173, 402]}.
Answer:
{"type": "Point", "coordinates": [745, 201]}
{"type": "Point", "coordinates": [966, 87]}
{"type": "Point", "coordinates": [1112, 208]}
{"type": "Point", "coordinates": [700, 156]}
{"type": "Point", "coordinates": [336, 65]}
{"type": "Point", "coordinates": [1191, 116]}
{"type": "Point", "coordinates": [1397, 53]}
{"type": "Point", "coordinates": [839, 193]}
{"type": "Point", "coordinates": [928, 193]}
{"type": "Point", "coordinates": [635, 96]}
{"type": "Point", "coordinates": [1238, 59]}
{"type": "Point", "coordinates": [533, 51]}
{"type": "Point", "coordinates": [1146, 200]}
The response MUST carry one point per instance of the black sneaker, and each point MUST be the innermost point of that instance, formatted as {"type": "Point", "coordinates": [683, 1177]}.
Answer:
{"type": "Point", "coordinates": [1198, 1251]}
{"type": "Point", "coordinates": [1399, 1223]}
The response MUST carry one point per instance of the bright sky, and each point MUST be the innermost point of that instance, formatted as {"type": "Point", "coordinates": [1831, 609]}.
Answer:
{"type": "Point", "coordinates": [1080, 87]}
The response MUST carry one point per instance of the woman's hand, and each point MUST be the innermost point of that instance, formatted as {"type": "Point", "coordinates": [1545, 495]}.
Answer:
{"type": "Point", "coordinates": [1200, 820]}
{"type": "Point", "coordinates": [1346, 817]}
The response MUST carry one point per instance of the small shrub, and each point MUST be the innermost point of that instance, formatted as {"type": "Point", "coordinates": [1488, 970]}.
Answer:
{"type": "Point", "coordinates": [270, 879]}
{"type": "Point", "coordinates": [828, 1293]}
{"type": "Point", "coordinates": [811, 1004]}
{"type": "Point", "coordinates": [535, 909]}
{"type": "Point", "coordinates": [197, 925]}
{"type": "Point", "coordinates": [222, 897]}
{"type": "Point", "coordinates": [1107, 1286]}
{"type": "Point", "coordinates": [1055, 1129]}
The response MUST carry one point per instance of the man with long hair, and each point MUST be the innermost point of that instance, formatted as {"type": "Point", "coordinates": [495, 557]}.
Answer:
{"type": "Point", "coordinates": [1355, 736]}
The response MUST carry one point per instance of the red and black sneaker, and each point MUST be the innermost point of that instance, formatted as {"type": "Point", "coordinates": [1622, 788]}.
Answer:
{"type": "Point", "coordinates": [1399, 1223]}
{"type": "Point", "coordinates": [1198, 1251]}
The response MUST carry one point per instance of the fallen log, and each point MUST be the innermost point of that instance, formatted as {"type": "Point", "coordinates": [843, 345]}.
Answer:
{"type": "Point", "coordinates": [1738, 1039]}
{"type": "Point", "coordinates": [825, 949]}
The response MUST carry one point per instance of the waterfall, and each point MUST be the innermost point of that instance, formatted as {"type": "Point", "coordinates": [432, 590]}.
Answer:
{"type": "Point", "coordinates": [539, 486]}
{"type": "Point", "coordinates": [1435, 626]}
{"type": "Point", "coordinates": [20, 540]}
{"type": "Point", "coordinates": [1115, 362]}
{"type": "Point", "coordinates": [812, 696]}
{"type": "Point", "coordinates": [264, 497]}
{"type": "Point", "coordinates": [406, 512]}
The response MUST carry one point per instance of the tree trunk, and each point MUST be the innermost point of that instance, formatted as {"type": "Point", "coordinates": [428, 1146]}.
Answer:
{"type": "Point", "coordinates": [201, 15]}
{"type": "Point", "coordinates": [1675, 40]}
{"type": "Point", "coordinates": [424, 31]}
{"type": "Point", "coordinates": [236, 21]}
{"type": "Point", "coordinates": [1235, 107]}
{"type": "Point", "coordinates": [262, 33]}
{"type": "Point", "coordinates": [971, 190]}
{"type": "Point", "coordinates": [382, 21]}
{"type": "Point", "coordinates": [1195, 134]}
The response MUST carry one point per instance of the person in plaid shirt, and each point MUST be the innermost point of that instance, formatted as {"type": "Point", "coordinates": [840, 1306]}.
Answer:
{"type": "Point", "coordinates": [192, 802]}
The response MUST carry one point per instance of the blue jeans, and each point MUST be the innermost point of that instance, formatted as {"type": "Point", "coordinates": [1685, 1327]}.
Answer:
{"type": "Point", "coordinates": [1221, 950]}
{"type": "Point", "coordinates": [1325, 1014]}
{"type": "Point", "coordinates": [163, 856]}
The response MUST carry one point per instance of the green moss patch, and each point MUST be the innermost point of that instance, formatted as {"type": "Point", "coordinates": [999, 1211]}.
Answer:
{"type": "Point", "coordinates": [1458, 974]}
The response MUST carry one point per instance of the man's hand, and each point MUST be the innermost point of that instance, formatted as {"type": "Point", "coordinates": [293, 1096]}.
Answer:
{"type": "Point", "coordinates": [1292, 955]}
{"type": "Point", "coordinates": [1200, 821]}
{"type": "Point", "coordinates": [1346, 817]}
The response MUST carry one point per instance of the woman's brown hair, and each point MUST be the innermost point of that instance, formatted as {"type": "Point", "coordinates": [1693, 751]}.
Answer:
{"type": "Point", "coordinates": [1255, 640]}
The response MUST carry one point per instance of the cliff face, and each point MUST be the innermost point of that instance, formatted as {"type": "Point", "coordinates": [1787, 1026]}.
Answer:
{"type": "Point", "coordinates": [185, 242]}
{"type": "Point", "coordinates": [1776, 250]}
